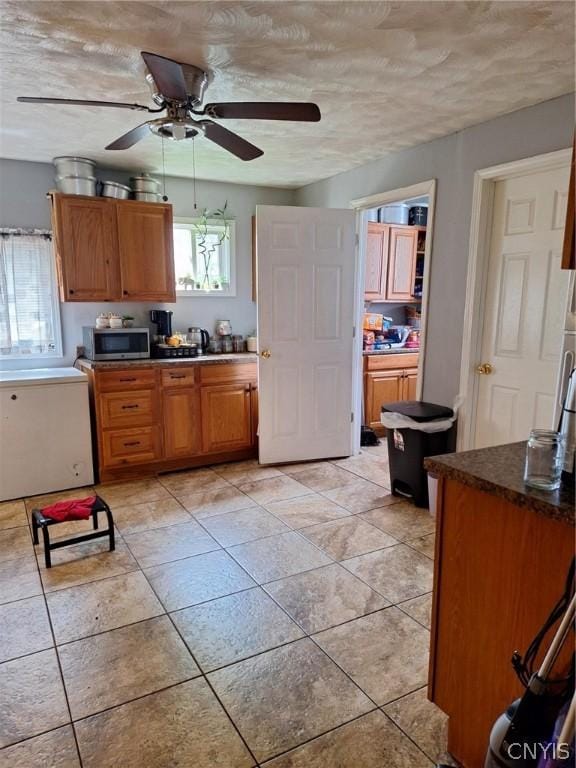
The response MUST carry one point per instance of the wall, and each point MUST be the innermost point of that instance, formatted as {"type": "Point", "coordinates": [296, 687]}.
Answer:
{"type": "Point", "coordinates": [452, 161]}
{"type": "Point", "coordinates": [23, 203]}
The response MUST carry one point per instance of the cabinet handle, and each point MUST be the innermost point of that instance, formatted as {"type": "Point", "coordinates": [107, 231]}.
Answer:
{"type": "Point", "coordinates": [70, 291]}
{"type": "Point", "coordinates": [128, 407]}
{"type": "Point", "coordinates": [177, 375]}
{"type": "Point", "coordinates": [13, 397]}
{"type": "Point", "coordinates": [125, 293]}
{"type": "Point", "coordinates": [128, 445]}
{"type": "Point", "coordinates": [124, 380]}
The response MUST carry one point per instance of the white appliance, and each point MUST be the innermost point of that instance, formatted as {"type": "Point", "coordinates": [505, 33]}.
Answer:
{"type": "Point", "coordinates": [45, 442]}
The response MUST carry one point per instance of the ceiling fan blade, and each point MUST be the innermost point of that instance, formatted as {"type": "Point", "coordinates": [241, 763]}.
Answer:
{"type": "Point", "coordinates": [132, 137]}
{"type": "Point", "coordinates": [167, 75]}
{"type": "Point", "coordinates": [230, 141]}
{"type": "Point", "coordinates": [84, 103]}
{"type": "Point", "coordinates": [262, 110]}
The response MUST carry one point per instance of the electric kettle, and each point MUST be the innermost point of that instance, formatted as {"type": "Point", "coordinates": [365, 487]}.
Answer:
{"type": "Point", "coordinates": [199, 336]}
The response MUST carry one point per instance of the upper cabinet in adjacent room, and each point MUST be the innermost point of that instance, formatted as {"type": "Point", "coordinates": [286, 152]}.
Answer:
{"type": "Point", "coordinates": [394, 263]}
{"type": "Point", "coordinates": [113, 250]}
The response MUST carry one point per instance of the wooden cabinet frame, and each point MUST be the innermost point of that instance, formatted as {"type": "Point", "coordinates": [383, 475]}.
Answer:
{"type": "Point", "coordinates": [391, 259]}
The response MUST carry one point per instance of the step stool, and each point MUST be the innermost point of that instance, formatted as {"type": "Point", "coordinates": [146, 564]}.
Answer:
{"type": "Point", "coordinates": [39, 521]}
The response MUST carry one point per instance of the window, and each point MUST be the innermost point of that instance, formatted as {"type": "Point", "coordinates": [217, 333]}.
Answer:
{"type": "Point", "coordinates": [204, 258]}
{"type": "Point", "coordinates": [29, 309]}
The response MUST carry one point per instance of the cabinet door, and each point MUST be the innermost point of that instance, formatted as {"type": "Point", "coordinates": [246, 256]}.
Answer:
{"type": "Point", "coordinates": [145, 246]}
{"type": "Point", "coordinates": [381, 388]}
{"type": "Point", "coordinates": [86, 248]}
{"type": "Point", "coordinates": [182, 427]}
{"type": "Point", "coordinates": [410, 383]}
{"type": "Point", "coordinates": [401, 264]}
{"type": "Point", "coordinates": [226, 417]}
{"type": "Point", "coordinates": [376, 261]}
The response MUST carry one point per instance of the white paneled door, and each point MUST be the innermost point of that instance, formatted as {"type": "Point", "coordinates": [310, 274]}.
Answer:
{"type": "Point", "coordinates": [525, 307]}
{"type": "Point", "coordinates": [306, 286]}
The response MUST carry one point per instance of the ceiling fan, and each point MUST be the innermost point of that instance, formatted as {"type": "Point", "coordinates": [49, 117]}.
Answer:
{"type": "Point", "coordinates": [178, 89]}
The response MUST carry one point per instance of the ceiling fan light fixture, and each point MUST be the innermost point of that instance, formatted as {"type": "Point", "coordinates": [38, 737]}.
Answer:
{"type": "Point", "coordinates": [176, 130]}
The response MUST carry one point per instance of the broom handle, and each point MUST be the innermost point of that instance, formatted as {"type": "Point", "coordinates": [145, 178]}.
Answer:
{"type": "Point", "coordinates": [567, 732]}
{"type": "Point", "coordinates": [558, 641]}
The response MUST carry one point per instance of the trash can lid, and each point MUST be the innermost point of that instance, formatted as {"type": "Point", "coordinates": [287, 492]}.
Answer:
{"type": "Point", "coordinates": [419, 411]}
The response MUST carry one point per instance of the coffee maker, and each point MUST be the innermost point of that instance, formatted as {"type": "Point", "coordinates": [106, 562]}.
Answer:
{"type": "Point", "coordinates": [162, 319]}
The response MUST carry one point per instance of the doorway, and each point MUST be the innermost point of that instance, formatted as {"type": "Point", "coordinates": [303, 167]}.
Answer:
{"type": "Point", "coordinates": [395, 245]}
{"type": "Point", "coordinates": [517, 299]}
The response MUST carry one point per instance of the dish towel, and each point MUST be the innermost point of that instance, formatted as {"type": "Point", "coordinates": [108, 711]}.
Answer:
{"type": "Point", "coordinates": [76, 509]}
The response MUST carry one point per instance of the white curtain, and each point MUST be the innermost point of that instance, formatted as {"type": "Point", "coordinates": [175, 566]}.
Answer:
{"type": "Point", "coordinates": [28, 302]}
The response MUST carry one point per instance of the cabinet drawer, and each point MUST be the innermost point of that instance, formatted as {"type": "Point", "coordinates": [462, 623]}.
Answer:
{"type": "Point", "coordinates": [222, 373]}
{"type": "Point", "coordinates": [179, 377]}
{"type": "Point", "coordinates": [130, 446]}
{"type": "Point", "coordinates": [391, 361]}
{"type": "Point", "coordinates": [126, 379]}
{"type": "Point", "coordinates": [128, 409]}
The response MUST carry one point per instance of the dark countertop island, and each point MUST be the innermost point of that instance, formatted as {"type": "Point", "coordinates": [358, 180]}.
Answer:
{"type": "Point", "coordinates": [500, 472]}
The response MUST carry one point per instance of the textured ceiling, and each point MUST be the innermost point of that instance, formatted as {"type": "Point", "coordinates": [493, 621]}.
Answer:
{"type": "Point", "coordinates": [386, 76]}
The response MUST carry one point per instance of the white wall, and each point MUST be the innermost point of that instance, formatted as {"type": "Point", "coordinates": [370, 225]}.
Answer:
{"type": "Point", "coordinates": [23, 203]}
{"type": "Point", "coordinates": [451, 160]}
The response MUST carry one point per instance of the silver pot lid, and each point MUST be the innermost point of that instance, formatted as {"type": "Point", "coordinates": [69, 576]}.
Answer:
{"type": "Point", "coordinates": [116, 184]}
{"type": "Point", "coordinates": [73, 159]}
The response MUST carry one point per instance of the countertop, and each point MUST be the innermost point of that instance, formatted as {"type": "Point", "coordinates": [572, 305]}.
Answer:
{"type": "Point", "coordinates": [500, 472]}
{"type": "Point", "coordinates": [397, 351]}
{"type": "Point", "coordinates": [41, 376]}
{"type": "Point", "coordinates": [243, 357]}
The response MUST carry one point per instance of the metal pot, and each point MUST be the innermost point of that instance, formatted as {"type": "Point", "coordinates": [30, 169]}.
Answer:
{"type": "Point", "coordinates": [114, 189]}
{"type": "Point", "coordinates": [77, 185]}
{"type": "Point", "coordinates": [148, 197]}
{"type": "Point", "coordinates": [145, 183]}
{"type": "Point", "coordinates": [396, 213]}
{"type": "Point", "coordinates": [418, 215]}
{"type": "Point", "coordinates": [74, 166]}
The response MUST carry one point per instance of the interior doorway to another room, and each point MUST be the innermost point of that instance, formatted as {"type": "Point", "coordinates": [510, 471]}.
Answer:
{"type": "Point", "coordinates": [394, 238]}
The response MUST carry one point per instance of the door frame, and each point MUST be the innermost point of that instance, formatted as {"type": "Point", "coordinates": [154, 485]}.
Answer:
{"type": "Point", "coordinates": [478, 260]}
{"type": "Point", "coordinates": [362, 205]}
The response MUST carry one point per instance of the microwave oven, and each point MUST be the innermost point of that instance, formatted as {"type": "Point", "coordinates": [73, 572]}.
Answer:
{"type": "Point", "coordinates": [116, 343]}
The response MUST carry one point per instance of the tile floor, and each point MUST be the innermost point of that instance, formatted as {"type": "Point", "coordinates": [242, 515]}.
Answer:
{"type": "Point", "coordinates": [249, 616]}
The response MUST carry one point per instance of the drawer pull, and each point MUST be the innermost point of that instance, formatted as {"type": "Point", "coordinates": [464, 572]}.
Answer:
{"type": "Point", "coordinates": [129, 407]}
{"type": "Point", "coordinates": [133, 443]}
{"type": "Point", "coordinates": [177, 375]}
{"type": "Point", "coordinates": [132, 379]}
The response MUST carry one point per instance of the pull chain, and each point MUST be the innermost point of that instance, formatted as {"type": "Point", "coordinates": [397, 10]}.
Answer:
{"type": "Point", "coordinates": [194, 170]}
{"type": "Point", "coordinates": [164, 195]}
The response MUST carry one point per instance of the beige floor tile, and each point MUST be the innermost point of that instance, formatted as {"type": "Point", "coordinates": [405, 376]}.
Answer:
{"type": "Point", "coordinates": [295, 693]}
{"type": "Point", "coordinates": [32, 697]}
{"type": "Point", "coordinates": [398, 572]}
{"type": "Point", "coordinates": [325, 597]}
{"type": "Point", "coordinates": [149, 515]}
{"type": "Point", "coordinates": [132, 492]}
{"type": "Point", "coordinates": [278, 556]}
{"type": "Point", "coordinates": [24, 628]}
{"type": "Point", "coordinates": [184, 483]}
{"type": "Point", "coordinates": [325, 478]}
{"type": "Point", "coordinates": [82, 563]}
{"type": "Point", "coordinates": [238, 475]}
{"type": "Point", "coordinates": [274, 489]}
{"type": "Point", "coordinates": [218, 502]}
{"type": "Point", "coordinates": [43, 500]}
{"type": "Point", "coordinates": [55, 749]}
{"type": "Point", "coordinates": [424, 544]}
{"type": "Point", "coordinates": [15, 543]}
{"type": "Point", "coordinates": [347, 537]}
{"type": "Point", "coordinates": [419, 608]}
{"type": "Point", "coordinates": [197, 579]}
{"type": "Point", "coordinates": [307, 510]}
{"type": "Point", "coordinates": [371, 741]}
{"type": "Point", "coordinates": [423, 722]}
{"type": "Point", "coordinates": [114, 667]}
{"type": "Point", "coordinates": [244, 525]}
{"type": "Point", "coordinates": [385, 653]}
{"type": "Point", "coordinates": [402, 520]}
{"type": "Point", "coordinates": [234, 627]}
{"type": "Point", "coordinates": [19, 579]}
{"type": "Point", "coordinates": [101, 605]}
{"type": "Point", "coordinates": [13, 514]}
{"type": "Point", "coordinates": [360, 496]}
{"type": "Point", "coordinates": [175, 542]}
{"type": "Point", "coordinates": [301, 466]}
{"type": "Point", "coordinates": [181, 726]}
{"type": "Point", "coordinates": [369, 468]}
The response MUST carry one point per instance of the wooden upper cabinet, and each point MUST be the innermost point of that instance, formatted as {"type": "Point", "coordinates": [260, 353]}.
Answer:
{"type": "Point", "coordinates": [86, 248]}
{"type": "Point", "coordinates": [146, 251]}
{"type": "Point", "coordinates": [376, 262]}
{"type": "Point", "coordinates": [401, 264]}
{"type": "Point", "coordinates": [569, 247]}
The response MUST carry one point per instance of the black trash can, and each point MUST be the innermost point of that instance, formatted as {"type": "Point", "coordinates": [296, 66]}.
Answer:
{"type": "Point", "coordinates": [407, 448]}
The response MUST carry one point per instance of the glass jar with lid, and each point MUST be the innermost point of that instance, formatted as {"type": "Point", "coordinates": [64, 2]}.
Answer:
{"type": "Point", "coordinates": [544, 457]}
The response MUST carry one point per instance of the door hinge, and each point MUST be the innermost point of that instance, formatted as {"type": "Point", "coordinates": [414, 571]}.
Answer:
{"type": "Point", "coordinates": [352, 417]}
{"type": "Point", "coordinates": [354, 332]}
{"type": "Point", "coordinates": [357, 239]}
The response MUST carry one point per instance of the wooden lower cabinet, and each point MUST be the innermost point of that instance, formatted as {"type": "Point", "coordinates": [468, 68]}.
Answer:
{"type": "Point", "coordinates": [152, 419]}
{"type": "Point", "coordinates": [387, 379]}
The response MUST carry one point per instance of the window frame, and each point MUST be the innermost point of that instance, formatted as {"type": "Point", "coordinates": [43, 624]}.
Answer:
{"type": "Point", "coordinates": [58, 353]}
{"type": "Point", "coordinates": [230, 245]}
